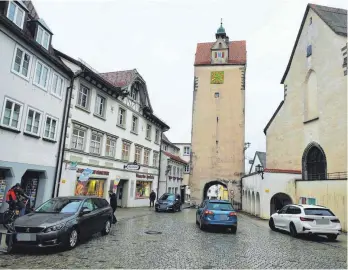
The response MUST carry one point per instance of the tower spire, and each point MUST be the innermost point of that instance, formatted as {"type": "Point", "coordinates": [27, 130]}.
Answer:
{"type": "Point", "coordinates": [221, 31]}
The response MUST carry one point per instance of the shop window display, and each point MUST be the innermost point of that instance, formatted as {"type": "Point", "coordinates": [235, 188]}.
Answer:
{"type": "Point", "coordinates": [143, 190]}
{"type": "Point", "coordinates": [92, 187]}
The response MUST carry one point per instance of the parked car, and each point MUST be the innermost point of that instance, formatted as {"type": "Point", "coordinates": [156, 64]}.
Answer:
{"type": "Point", "coordinates": [168, 202]}
{"type": "Point", "coordinates": [216, 213]}
{"type": "Point", "coordinates": [306, 219]}
{"type": "Point", "coordinates": [63, 221]}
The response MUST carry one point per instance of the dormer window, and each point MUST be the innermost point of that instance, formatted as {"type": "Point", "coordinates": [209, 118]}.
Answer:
{"type": "Point", "coordinates": [16, 14]}
{"type": "Point", "coordinates": [43, 37]}
{"type": "Point", "coordinates": [134, 91]}
{"type": "Point", "coordinates": [219, 54]}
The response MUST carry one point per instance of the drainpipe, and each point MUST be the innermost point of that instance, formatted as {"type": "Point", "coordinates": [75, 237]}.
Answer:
{"type": "Point", "coordinates": [58, 171]}
{"type": "Point", "coordinates": [159, 166]}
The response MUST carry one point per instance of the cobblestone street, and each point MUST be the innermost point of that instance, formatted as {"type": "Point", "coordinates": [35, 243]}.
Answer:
{"type": "Point", "coordinates": [181, 244]}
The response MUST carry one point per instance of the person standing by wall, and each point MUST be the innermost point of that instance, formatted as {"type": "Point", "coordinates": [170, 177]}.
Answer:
{"type": "Point", "coordinates": [113, 204]}
{"type": "Point", "coordinates": [152, 198]}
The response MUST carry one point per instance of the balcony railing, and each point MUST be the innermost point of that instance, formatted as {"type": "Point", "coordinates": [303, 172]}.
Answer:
{"type": "Point", "coordinates": [328, 176]}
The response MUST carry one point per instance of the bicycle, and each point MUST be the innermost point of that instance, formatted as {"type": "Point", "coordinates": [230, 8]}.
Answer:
{"type": "Point", "coordinates": [11, 214]}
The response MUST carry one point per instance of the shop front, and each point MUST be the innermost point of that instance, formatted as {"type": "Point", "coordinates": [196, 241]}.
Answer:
{"type": "Point", "coordinates": [95, 185]}
{"type": "Point", "coordinates": [144, 184]}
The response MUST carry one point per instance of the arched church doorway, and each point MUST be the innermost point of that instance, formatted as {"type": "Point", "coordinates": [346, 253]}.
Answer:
{"type": "Point", "coordinates": [314, 162]}
{"type": "Point", "coordinates": [278, 201]}
{"type": "Point", "coordinates": [213, 190]}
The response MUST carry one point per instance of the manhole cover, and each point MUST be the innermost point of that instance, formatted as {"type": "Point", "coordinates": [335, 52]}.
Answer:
{"type": "Point", "coordinates": [153, 232]}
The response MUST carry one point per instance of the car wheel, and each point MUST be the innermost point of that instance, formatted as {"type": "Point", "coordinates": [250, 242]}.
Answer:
{"type": "Point", "coordinates": [271, 224]}
{"type": "Point", "coordinates": [107, 228]}
{"type": "Point", "coordinates": [73, 239]}
{"type": "Point", "coordinates": [233, 230]}
{"type": "Point", "coordinates": [293, 231]}
{"type": "Point", "coordinates": [201, 226]}
{"type": "Point", "coordinates": [332, 237]}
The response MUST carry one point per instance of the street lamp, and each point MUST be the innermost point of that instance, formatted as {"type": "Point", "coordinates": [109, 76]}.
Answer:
{"type": "Point", "coordinates": [259, 170]}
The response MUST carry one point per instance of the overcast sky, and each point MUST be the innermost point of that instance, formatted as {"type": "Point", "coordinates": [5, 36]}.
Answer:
{"type": "Point", "coordinates": [159, 37]}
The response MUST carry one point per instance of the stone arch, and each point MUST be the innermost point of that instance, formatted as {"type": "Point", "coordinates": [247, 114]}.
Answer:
{"type": "Point", "coordinates": [257, 205]}
{"type": "Point", "coordinates": [209, 184]}
{"type": "Point", "coordinates": [314, 163]}
{"type": "Point", "coordinates": [278, 201]}
{"type": "Point", "coordinates": [311, 96]}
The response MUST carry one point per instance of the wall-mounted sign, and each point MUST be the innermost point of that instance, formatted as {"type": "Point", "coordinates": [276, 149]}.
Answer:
{"type": "Point", "coordinates": [134, 166]}
{"type": "Point", "coordinates": [94, 172]}
{"type": "Point", "coordinates": [63, 181]}
{"type": "Point", "coordinates": [72, 166]}
{"type": "Point", "coordinates": [144, 176]}
{"type": "Point", "coordinates": [267, 190]}
{"type": "Point", "coordinates": [85, 175]}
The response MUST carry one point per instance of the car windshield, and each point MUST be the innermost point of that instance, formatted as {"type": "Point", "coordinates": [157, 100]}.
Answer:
{"type": "Point", "coordinates": [318, 212]}
{"type": "Point", "coordinates": [222, 206]}
{"type": "Point", "coordinates": [60, 205]}
{"type": "Point", "coordinates": [167, 197]}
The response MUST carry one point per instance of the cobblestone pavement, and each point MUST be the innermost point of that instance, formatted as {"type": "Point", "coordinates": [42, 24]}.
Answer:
{"type": "Point", "coordinates": [183, 245]}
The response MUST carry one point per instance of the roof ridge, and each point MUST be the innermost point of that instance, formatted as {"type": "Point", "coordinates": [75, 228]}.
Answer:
{"type": "Point", "coordinates": [330, 7]}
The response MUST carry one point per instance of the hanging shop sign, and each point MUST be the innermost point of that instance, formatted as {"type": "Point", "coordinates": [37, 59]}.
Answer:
{"type": "Point", "coordinates": [85, 174]}
{"type": "Point", "coordinates": [145, 176]}
{"type": "Point", "coordinates": [72, 166]}
{"type": "Point", "coordinates": [134, 166]}
{"type": "Point", "coordinates": [97, 172]}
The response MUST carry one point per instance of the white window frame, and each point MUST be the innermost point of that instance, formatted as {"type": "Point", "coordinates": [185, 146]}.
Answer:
{"type": "Point", "coordinates": [112, 149]}
{"type": "Point", "coordinates": [88, 95]}
{"type": "Point", "coordinates": [77, 137]}
{"type": "Point", "coordinates": [137, 124]}
{"type": "Point", "coordinates": [189, 150]}
{"type": "Point", "coordinates": [42, 37]}
{"type": "Point", "coordinates": [129, 146]}
{"type": "Point", "coordinates": [22, 60]}
{"type": "Point", "coordinates": [97, 106]}
{"type": "Point", "coordinates": [16, 13]}
{"type": "Point", "coordinates": [123, 124]}
{"type": "Point", "coordinates": [48, 75]}
{"type": "Point", "coordinates": [148, 156]}
{"type": "Point", "coordinates": [44, 129]}
{"type": "Point", "coordinates": [54, 93]}
{"type": "Point", "coordinates": [19, 116]}
{"type": "Point", "coordinates": [157, 135]}
{"type": "Point", "coordinates": [148, 136]}
{"type": "Point", "coordinates": [96, 142]}
{"type": "Point", "coordinates": [155, 156]}
{"type": "Point", "coordinates": [140, 154]}
{"type": "Point", "coordinates": [26, 121]}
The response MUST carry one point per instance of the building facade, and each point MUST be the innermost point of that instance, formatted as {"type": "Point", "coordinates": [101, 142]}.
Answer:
{"type": "Point", "coordinates": [185, 154]}
{"type": "Point", "coordinates": [218, 116]}
{"type": "Point", "coordinates": [111, 125]}
{"type": "Point", "coordinates": [33, 94]}
{"type": "Point", "coordinates": [172, 169]}
{"type": "Point", "coordinates": [306, 160]}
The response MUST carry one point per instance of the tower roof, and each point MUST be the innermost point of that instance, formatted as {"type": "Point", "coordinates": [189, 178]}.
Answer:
{"type": "Point", "coordinates": [220, 32]}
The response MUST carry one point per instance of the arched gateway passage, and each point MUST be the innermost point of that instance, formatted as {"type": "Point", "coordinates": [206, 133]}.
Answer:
{"type": "Point", "coordinates": [278, 201]}
{"type": "Point", "coordinates": [209, 185]}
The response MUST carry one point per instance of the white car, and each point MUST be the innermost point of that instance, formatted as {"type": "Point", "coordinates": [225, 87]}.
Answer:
{"type": "Point", "coordinates": [306, 219]}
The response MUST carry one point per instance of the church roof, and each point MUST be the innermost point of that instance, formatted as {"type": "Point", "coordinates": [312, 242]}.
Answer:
{"type": "Point", "coordinates": [237, 53]}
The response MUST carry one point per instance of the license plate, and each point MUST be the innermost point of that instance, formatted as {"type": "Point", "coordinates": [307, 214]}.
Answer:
{"type": "Point", "coordinates": [223, 217]}
{"type": "Point", "coordinates": [322, 222]}
{"type": "Point", "coordinates": [26, 237]}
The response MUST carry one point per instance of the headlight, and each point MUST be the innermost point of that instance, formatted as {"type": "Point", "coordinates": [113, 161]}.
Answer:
{"type": "Point", "coordinates": [55, 227]}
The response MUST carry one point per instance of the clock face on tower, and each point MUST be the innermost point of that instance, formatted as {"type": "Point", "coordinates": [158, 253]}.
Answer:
{"type": "Point", "coordinates": [217, 77]}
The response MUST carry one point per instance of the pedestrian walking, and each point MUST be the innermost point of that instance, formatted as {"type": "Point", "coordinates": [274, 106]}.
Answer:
{"type": "Point", "coordinates": [113, 204]}
{"type": "Point", "coordinates": [152, 198]}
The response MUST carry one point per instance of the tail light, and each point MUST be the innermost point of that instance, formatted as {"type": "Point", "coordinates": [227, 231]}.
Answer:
{"type": "Point", "coordinates": [335, 220]}
{"type": "Point", "coordinates": [232, 214]}
{"type": "Point", "coordinates": [208, 212]}
{"type": "Point", "coordinates": [306, 219]}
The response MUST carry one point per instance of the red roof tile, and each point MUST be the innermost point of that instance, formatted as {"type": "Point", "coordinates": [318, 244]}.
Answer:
{"type": "Point", "coordinates": [174, 157]}
{"type": "Point", "coordinates": [282, 171]}
{"type": "Point", "coordinates": [237, 53]}
{"type": "Point", "coordinates": [119, 78]}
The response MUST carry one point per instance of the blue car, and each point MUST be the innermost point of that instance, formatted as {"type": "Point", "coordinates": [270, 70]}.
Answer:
{"type": "Point", "coordinates": [216, 213]}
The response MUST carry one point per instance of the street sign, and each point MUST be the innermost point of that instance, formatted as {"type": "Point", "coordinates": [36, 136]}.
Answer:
{"type": "Point", "coordinates": [132, 166]}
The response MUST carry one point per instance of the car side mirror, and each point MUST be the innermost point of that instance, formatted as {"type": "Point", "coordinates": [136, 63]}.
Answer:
{"type": "Point", "coordinates": [85, 211]}
{"type": "Point", "coordinates": [278, 211]}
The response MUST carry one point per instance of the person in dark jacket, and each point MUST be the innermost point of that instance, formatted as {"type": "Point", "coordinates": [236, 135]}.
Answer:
{"type": "Point", "coordinates": [152, 198]}
{"type": "Point", "coordinates": [113, 204]}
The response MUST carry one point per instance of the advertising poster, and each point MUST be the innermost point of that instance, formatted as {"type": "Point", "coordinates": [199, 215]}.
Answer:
{"type": "Point", "coordinates": [2, 191]}
{"type": "Point", "coordinates": [81, 185]}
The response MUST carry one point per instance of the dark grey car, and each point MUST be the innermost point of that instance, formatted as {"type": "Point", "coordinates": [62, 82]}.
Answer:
{"type": "Point", "coordinates": [62, 221]}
